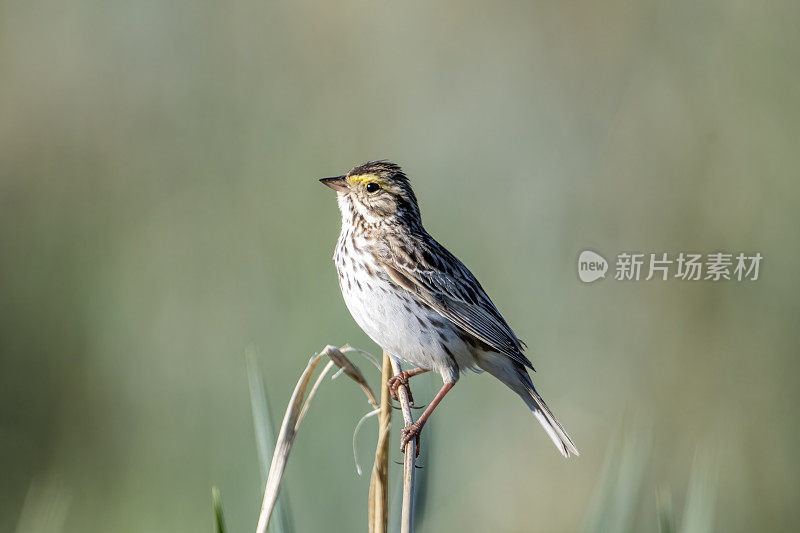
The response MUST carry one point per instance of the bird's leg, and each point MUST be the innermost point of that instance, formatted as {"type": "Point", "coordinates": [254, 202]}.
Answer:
{"type": "Point", "coordinates": [409, 432]}
{"type": "Point", "coordinates": [402, 379]}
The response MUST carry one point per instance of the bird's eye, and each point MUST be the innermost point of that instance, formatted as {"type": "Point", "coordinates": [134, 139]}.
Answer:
{"type": "Point", "coordinates": [373, 187]}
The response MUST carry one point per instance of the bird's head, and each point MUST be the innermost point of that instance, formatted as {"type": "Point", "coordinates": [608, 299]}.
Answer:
{"type": "Point", "coordinates": [377, 191]}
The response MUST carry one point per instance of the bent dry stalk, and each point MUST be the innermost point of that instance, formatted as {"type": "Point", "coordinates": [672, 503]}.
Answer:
{"type": "Point", "coordinates": [378, 506]}
{"type": "Point", "coordinates": [295, 412]}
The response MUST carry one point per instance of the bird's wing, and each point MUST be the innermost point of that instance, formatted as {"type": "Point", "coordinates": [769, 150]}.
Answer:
{"type": "Point", "coordinates": [437, 278]}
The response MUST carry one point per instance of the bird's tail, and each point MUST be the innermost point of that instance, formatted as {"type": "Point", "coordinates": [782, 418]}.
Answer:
{"type": "Point", "coordinates": [518, 380]}
{"type": "Point", "coordinates": [548, 421]}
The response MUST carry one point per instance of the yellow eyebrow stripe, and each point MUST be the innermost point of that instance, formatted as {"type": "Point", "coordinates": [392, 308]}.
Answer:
{"type": "Point", "coordinates": [366, 178]}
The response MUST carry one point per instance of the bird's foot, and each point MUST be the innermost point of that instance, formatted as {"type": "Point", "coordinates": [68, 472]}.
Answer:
{"type": "Point", "coordinates": [395, 382]}
{"type": "Point", "coordinates": [410, 432]}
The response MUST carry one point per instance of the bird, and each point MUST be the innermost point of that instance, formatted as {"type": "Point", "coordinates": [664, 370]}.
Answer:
{"type": "Point", "coordinates": [417, 301]}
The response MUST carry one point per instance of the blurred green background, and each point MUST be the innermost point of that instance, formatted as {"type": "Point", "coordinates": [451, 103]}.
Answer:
{"type": "Point", "coordinates": [159, 213]}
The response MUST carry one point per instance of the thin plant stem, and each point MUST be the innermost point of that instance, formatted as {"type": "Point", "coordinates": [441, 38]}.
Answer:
{"type": "Point", "coordinates": [407, 514]}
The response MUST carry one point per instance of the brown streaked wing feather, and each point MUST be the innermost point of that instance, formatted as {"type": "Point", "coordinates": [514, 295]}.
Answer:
{"type": "Point", "coordinates": [442, 282]}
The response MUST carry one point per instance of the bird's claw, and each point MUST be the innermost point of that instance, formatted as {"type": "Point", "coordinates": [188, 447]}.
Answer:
{"type": "Point", "coordinates": [394, 383]}
{"type": "Point", "coordinates": [410, 432]}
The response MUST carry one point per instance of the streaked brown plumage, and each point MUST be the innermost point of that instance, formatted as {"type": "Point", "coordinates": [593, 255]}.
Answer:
{"type": "Point", "coordinates": [416, 299]}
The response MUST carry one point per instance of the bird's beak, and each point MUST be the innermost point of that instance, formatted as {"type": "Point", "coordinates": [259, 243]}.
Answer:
{"type": "Point", "coordinates": [338, 184]}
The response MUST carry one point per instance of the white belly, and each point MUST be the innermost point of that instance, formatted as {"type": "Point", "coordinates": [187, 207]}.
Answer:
{"type": "Point", "coordinates": [394, 320]}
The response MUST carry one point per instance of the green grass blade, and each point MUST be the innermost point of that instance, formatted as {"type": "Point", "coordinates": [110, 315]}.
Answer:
{"type": "Point", "coordinates": [617, 497]}
{"type": "Point", "coordinates": [665, 512]}
{"type": "Point", "coordinates": [698, 515]}
{"type": "Point", "coordinates": [45, 507]}
{"type": "Point", "coordinates": [219, 518]}
{"type": "Point", "coordinates": [265, 441]}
